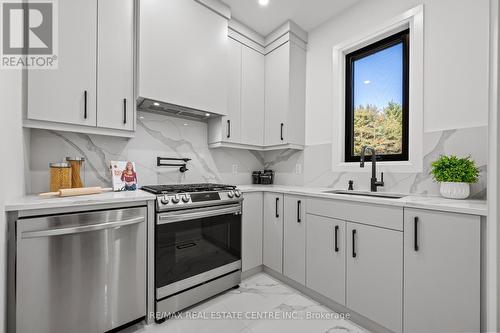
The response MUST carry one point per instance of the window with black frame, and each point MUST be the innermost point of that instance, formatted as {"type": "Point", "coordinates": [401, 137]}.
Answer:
{"type": "Point", "coordinates": [377, 92]}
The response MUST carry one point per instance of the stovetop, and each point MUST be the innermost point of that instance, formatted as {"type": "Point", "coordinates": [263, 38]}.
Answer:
{"type": "Point", "coordinates": [185, 196]}
{"type": "Point", "coordinates": [187, 188]}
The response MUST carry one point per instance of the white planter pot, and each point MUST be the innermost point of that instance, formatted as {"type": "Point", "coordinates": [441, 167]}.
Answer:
{"type": "Point", "coordinates": [455, 190]}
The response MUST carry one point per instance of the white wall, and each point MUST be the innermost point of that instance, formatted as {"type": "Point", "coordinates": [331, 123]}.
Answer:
{"type": "Point", "coordinates": [12, 152]}
{"type": "Point", "coordinates": [455, 62]}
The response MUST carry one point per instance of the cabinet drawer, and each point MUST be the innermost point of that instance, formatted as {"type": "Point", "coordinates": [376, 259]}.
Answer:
{"type": "Point", "coordinates": [367, 213]}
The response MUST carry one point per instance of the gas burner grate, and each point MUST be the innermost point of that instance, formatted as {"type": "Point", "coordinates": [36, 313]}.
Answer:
{"type": "Point", "coordinates": [185, 188]}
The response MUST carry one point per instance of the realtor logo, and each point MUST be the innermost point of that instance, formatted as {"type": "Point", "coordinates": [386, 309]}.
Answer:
{"type": "Point", "coordinates": [29, 34]}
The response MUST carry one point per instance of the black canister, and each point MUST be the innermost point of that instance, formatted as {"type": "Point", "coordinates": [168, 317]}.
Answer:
{"type": "Point", "coordinates": [267, 177]}
{"type": "Point", "coordinates": [256, 177]}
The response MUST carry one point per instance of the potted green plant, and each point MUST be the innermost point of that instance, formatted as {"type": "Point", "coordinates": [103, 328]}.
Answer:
{"type": "Point", "coordinates": [455, 175]}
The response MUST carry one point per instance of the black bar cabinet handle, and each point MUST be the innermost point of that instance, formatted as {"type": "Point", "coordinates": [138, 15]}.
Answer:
{"type": "Point", "coordinates": [85, 104]}
{"type": "Point", "coordinates": [277, 214]}
{"type": "Point", "coordinates": [415, 233]}
{"type": "Point", "coordinates": [229, 128]}
{"type": "Point", "coordinates": [281, 131]}
{"type": "Point", "coordinates": [353, 243]}
{"type": "Point", "coordinates": [336, 238]}
{"type": "Point", "coordinates": [298, 211]}
{"type": "Point", "coordinates": [124, 110]}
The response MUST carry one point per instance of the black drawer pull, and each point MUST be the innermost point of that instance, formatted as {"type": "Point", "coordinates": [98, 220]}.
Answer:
{"type": "Point", "coordinates": [354, 243]}
{"type": "Point", "coordinates": [85, 104]}
{"type": "Point", "coordinates": [298, 211]}
{"type": "Point", "coordinates": [228, 129]}
{"type": "Point", "coordinates": [277, 201]}
{"type": "Point", "coordinates": [336, 238]}
{"type": "Point", "coordinates": [415, 233]}
{"type": "Point", "coordinates": [124, 110]}
{"type": "Point", "coordinates": [281, 131]}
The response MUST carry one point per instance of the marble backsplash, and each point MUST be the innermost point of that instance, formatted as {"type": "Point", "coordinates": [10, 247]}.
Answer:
{"type": "Point", "coordinates": [316, 160]}
{"type": "Point", "coordinates": [158, 135]}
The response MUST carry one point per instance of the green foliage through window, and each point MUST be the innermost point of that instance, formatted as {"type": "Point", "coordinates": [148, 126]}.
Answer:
{"type": "Point", "coordinates": [381, 129]}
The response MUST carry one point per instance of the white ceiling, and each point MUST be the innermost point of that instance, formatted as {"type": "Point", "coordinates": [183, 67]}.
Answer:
{"type": "Point", "coordinates": [308, 14]}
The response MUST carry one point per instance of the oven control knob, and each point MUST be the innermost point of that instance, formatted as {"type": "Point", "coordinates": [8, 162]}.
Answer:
{"type": "Point", "coordinates": [230, 194]}
{"type": "Point", "coordinates": [165, 200]}
{"type": "Point", "coordinates": [175, 199]}
{"type": "Point", "coordinates": [185, 198]}
{"type": "Point", "coordinates": [237, 193]}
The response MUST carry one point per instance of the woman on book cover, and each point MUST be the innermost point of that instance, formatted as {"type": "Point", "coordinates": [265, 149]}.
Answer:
{"type": "Point", "coordinates": [129, 177]}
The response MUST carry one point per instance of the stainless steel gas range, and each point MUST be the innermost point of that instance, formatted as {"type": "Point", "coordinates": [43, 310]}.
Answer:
{"type": "Point", "coordinates": [197, 244]}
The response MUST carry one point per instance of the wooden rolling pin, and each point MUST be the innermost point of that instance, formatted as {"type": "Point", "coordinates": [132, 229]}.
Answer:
{"type": "Point", "coordinates": [68, 192]}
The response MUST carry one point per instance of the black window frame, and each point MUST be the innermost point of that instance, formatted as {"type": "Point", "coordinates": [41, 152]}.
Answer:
{"type": "Point", "coordinates": [400, 37]}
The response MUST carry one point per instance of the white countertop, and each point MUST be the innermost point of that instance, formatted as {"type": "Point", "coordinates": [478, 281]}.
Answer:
{"type": "Point", "coordinates": [31, 202]}
{"type": "Point", "coordinates": [468, 206]}
{"type": "Point", "coordinates": [475, 207]}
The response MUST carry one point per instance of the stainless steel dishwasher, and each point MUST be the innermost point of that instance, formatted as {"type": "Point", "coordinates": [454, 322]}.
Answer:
{"type": "Point", "coordinates": [80, 273]}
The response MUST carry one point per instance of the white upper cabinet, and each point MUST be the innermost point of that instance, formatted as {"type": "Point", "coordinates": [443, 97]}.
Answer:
{"type": "Point", "coordinates": [232, 121]}
{"type": "Point", "coordinates": [266, 94]}
{"type": "Point", "coordinates": [244, 124]}
{"type": "Point", "coordinates": [92, 91]}
{"type": "Point", "coordinates": [227, 129]}
{"type": "Point", "coordinates": [115, 64]}
{"type": "Point", "coordinates": [277, 95]}
{"type": "Point", "coordinates": [285, 95]}
{"type": "Point", "coordinates": [68, 94]}
{"type": "Point", "coordinates": [252, 97]}
{"type": "Point", "coordinates": [442, 265]}
{"type": "Point", "coordinates": [183, 54]}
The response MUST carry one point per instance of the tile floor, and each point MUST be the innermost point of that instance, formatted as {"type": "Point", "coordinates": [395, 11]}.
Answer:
{"type": "Point", "coordinates": [259, 295]}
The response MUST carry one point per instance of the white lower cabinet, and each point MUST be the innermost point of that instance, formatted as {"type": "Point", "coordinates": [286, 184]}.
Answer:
{"type": "Point", "coordinates": [442, 272]}
{"type": "Point", "coordinates": [294, 238]}
{"type": "Point", "coordinates": [325, 257]}
{"type": "Point", "coordinates": [374, 279]}
{"type": "Point", "coordinates": [273, 231]}
{"type": "Point", "coordinates": [359, 265]}
{"type": "Point", "coordinates": [252, 230]}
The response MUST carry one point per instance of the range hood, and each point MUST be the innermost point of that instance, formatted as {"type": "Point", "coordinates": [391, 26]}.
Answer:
{"type": "Point", "coordinates": [183, 58]}
{"type": "Point", "coordinates": [150, 105]}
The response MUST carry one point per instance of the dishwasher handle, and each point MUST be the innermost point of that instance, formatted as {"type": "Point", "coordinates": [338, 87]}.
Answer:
{"type": "Point", "coordinates": [80, 229]}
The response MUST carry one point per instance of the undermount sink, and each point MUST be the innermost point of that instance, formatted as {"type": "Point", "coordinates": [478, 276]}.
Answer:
{"type": "Point", "coordinates": [368, 194]}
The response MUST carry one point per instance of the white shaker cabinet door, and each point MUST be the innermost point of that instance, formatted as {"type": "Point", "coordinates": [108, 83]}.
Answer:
{"type": "Point", "coordinates": [442, 272]}
{"type": "Point", "coordinates": [252, 230]}
{"type": "Point", "coordinates": [375, 274]}
{"type": "Point", "coordinates": [326, 255]}
{"type": "Point", "coordinates": [231, 123]}
{"type": "Point", "coordinates": [277, 94]}
{"type": "Point", "coordinates": [252, 97]}
{"type": "Point", "coordinates": [273, 231]}
{"type": "Point", "coordinates": [294, 238]}
{"type": "Point", "coordinates": [68, 94]}
{"type": "Point", "coordinates": [115, 63]}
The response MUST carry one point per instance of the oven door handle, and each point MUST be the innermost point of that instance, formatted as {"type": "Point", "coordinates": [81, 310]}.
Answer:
{"type": "Point", "coordinates": [198, 214]}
